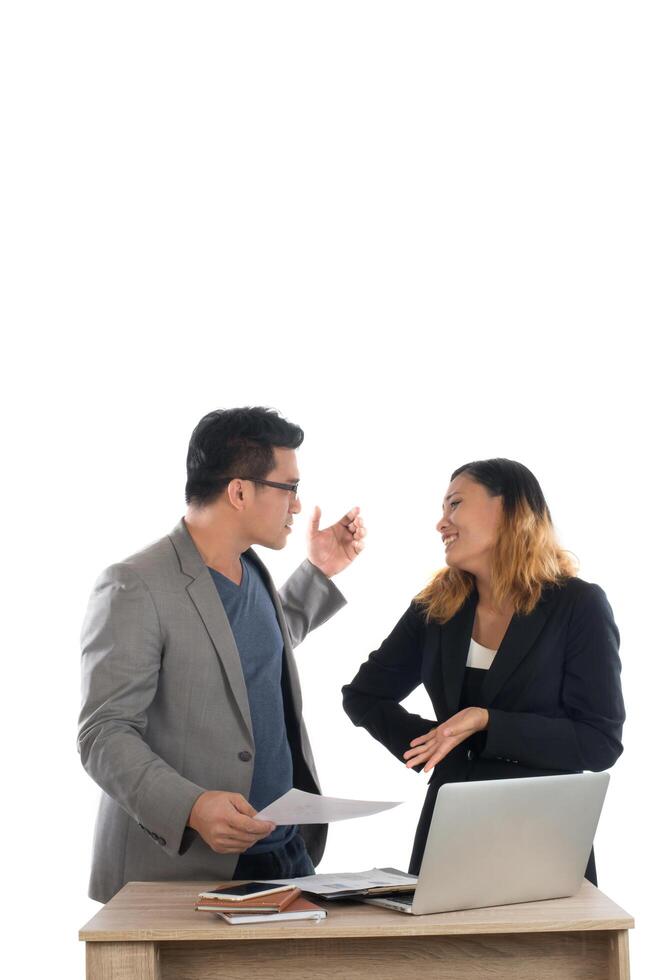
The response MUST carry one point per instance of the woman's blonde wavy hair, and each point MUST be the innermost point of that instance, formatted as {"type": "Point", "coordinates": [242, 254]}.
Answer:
{"type": "Point", "coordinates": [526, 557]}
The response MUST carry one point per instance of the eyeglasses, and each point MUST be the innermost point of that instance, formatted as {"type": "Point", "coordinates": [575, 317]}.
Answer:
{"type": "Point", "coordinates": [291, 487]}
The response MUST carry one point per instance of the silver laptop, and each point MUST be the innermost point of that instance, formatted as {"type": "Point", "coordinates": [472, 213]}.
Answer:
{"type": "Point", "coordinates": [503, 841]}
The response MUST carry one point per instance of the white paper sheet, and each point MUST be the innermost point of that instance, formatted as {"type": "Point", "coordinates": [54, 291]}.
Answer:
{"type": "Point", "coordinates": [296, 806]}
{"type": "Point", "coordinates": [349, 881]}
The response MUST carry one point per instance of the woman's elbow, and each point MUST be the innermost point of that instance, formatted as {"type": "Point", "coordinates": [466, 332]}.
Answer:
{"type": "Point", "coordinates": [353, 703]}
{"type": "Point", "coordinates": [602, 754]}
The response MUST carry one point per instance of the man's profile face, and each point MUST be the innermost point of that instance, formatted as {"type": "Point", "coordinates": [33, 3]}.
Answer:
{"type": "Point", "coordinates": [272, 509]}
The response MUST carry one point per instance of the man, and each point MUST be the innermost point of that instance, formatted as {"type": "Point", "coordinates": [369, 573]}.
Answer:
{"type": "Point", "coordinates": [192, 715]}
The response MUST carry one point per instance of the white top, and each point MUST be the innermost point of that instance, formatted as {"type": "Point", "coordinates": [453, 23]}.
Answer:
{"type": "Point", "coordinates": [479, 656]}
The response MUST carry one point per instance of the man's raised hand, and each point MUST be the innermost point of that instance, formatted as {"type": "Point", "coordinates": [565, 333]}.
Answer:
{"type": "Point", "coordinates": [334, 548]}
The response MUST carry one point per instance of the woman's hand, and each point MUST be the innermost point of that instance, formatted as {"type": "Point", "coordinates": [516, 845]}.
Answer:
{"type": "Point", "coordinates": [435, 744]}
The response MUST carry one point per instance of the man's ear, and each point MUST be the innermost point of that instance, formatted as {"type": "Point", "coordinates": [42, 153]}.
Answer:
{"type": "Point", "coordinates": [235, 494]}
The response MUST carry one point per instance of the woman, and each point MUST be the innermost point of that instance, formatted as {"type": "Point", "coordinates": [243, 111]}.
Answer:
{"type": "Point", "coordinates": [519, 657]}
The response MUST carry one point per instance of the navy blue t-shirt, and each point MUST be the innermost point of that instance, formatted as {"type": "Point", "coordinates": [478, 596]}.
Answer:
{"type": "Point", "coordinates": [258, 637]}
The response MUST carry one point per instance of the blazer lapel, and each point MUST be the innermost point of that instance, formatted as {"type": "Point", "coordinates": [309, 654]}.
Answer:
{"type": "Point", "coordinates": [455, 641]}
{"type": "Point", "coordinates": [204, 596]}
{"type": "Point", "coordinates": [519, 638]}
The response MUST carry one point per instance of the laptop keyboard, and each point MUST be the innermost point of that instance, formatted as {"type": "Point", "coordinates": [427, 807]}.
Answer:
{"type": "Point", "coordinates": [404, 898]}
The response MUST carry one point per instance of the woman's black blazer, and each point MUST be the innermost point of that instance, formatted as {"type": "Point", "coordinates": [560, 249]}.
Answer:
{"type": "Point", "coordinates": [552, 692]}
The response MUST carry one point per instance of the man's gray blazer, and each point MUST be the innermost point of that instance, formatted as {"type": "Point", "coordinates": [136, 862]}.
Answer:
{"type": "Point", "coordinates": [165, 712]}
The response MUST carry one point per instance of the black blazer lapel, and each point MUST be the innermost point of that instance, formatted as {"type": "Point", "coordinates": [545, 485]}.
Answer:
{"type": "Point", "coordinates": [520, 636]}
{"type": "Point", "coordinates": [455, 642]}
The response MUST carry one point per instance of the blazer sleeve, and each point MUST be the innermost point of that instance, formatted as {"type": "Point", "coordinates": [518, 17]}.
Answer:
{"type": "Point", "coordinates": [121, 657]}
{"type": "Point", "coordinates": [391, 673]}
{"type": "Point", "coordinates": [589, 735]}
{"type": "Point", "coordinates": [308, 599]}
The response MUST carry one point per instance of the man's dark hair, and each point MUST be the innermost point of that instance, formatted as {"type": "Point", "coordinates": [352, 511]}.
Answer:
{"type": "Point", "coordinates": [235, 442]}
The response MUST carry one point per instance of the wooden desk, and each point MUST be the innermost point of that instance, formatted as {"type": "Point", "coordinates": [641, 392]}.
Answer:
{"type": "Point", "coordinates": [150, 931]}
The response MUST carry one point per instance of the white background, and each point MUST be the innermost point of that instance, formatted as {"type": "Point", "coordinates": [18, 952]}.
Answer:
{"type": "Point", "coordinates": [422, 231]}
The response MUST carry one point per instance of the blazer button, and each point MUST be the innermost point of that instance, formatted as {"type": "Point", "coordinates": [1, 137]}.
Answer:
{"type": "Point", "coordinates": [245, 756]}
{"type": "Point", "coordinates": [470, 755]}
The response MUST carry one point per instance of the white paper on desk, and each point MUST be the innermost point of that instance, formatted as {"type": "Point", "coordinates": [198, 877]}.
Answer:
{"type": "Point", "coordinates": [349, 881]}
{"type": "Point", "coordinates": [296, 806]}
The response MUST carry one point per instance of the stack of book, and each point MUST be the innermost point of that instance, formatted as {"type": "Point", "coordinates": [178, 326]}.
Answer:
{"type": "Point", "coordinates": [282, 905]}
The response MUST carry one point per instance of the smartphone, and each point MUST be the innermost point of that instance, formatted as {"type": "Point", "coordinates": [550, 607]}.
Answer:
{"type": "Point", "coordinates": [237, 893]}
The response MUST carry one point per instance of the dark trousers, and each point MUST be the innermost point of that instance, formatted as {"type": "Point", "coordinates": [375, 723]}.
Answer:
{"type": "Point", "coordinates": [289, 861]}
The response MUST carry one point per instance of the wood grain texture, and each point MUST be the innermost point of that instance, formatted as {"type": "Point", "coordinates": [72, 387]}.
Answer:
{"type": "Point", "coordinates": [163, 911]}
{"type": "Point", "coordinates": [542, 956]}
{"type": "Point", "coordinates": [619, 956]}
{"type": "Point", "coordinates": [122, 961]}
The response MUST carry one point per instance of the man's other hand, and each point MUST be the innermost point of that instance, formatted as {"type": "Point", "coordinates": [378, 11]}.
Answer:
{"type": "Point", "coordinates": [334, 548]}
{"type": "Point", "coordinates": [226, 822]}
